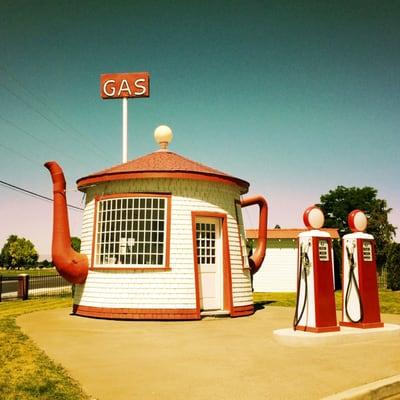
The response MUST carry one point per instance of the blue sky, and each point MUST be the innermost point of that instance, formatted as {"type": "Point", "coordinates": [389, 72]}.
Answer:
{"type": "Point", "coordinates": [295, 97]}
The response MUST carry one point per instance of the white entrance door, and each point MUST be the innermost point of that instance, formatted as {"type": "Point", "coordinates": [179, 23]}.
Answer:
{"type": "Point", "coordinates": [209, 260]}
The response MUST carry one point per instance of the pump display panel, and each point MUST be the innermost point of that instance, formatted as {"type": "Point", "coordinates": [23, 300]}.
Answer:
{"type": "Point", "coordinates": [367, 250]}
{"type": "Point", "coordinates": [323, 250]}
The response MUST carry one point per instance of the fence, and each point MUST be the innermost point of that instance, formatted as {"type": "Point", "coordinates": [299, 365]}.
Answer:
{"type": "Point", "coordinates": [382, 279]}
{"type": "Point", "coordinates": [25, 286]}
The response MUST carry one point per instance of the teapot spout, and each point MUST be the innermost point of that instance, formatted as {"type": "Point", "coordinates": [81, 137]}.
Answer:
{"type": "Point", "coordinates": [71, 265]}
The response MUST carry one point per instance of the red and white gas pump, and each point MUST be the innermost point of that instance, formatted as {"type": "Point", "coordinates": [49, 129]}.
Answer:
{"type": "Point", "coordinates": [360, 288]}
{"type": "Point", "coordinates": [315, 303]}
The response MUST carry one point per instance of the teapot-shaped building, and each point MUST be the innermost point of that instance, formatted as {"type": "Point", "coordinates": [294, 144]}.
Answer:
{"type": "Point", "coordinates": [162, 238]}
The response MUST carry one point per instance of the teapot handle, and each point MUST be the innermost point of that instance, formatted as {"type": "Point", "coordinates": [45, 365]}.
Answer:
{"type": "Point", "coordinates": [257, 258]}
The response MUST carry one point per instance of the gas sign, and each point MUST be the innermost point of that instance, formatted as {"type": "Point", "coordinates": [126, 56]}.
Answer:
{"type": "Point", "coordinates": [128, 85]}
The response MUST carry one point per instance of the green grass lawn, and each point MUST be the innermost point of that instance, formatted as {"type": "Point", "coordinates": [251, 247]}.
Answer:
{"type": "Point", "coordinates": [25, 371]}
{"type": "Point", "coordinates": [31, 272]}
{"type": "Point", "coordinates": [389, 300]}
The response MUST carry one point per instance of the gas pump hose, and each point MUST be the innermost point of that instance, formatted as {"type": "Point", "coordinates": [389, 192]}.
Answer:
{"type": "Point", "coordinates": [304, 266]}
{"type": "Point", "coordinates": [352, 280]}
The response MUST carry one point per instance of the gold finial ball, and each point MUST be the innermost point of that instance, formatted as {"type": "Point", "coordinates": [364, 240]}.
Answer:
{"type": "Point", "coordinates": [163, 136]}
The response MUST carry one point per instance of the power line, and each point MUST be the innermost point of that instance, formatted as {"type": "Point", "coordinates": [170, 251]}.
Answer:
{"type": "Point", "coordinates": [34, 162]}
{"type": "Point", "coordinates": [44, 142]}
{"type": "Point", "coordinates": [33, 194]}
{"type": "Point", "coordinates": [37, 98]}
{"type": "Point", "coordinates": [79, 134]}
{"type": "Point", "coordinates": [19, 154]}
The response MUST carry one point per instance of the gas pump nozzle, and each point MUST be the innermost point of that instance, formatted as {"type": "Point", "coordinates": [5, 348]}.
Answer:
{"type": "Point", "coordinates": [352, 280]}
{"type": "Point", "coordinates": [304, 270]}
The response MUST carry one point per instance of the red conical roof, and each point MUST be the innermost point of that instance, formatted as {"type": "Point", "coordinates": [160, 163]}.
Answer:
{"type": "Point", "coordinates": [161, 164]}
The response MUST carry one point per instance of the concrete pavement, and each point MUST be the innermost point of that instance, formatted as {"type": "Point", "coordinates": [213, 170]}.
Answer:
{"type": "Point", "coordinates": [210, 359]}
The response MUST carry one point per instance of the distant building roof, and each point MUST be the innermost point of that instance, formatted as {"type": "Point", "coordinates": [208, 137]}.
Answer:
{"type": "Point", "coordinates": [161, 164]}
{"type": "Point", "coordinates": [291, 233]}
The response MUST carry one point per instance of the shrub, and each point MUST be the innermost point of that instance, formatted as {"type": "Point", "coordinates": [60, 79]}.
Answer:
{"type": "Point", "coordinates": [393, 266]}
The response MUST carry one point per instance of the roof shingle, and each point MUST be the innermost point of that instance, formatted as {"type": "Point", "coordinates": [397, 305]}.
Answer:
{"type": "Point", "coordinates": [163, 163]}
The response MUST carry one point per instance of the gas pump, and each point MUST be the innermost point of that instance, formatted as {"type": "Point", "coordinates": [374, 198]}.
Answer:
{"type": "Point", "coordinates": [360, 288]}
{"type": "Point", "coordinates": [315, 302]}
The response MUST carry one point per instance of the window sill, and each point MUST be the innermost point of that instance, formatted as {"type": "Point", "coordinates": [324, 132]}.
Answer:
{"type": "Point", "coordinates": [130, 269]}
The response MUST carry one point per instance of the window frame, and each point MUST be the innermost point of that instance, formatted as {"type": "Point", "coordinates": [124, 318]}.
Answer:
{"type": "Point", "coordinates": [165, 266]}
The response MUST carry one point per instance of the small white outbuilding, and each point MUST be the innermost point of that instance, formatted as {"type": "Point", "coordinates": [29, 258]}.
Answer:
{"type": "Point", "coordinates": [279, 270]}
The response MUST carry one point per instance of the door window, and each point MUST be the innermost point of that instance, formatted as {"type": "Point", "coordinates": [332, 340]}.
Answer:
{"type": "Point", "coordinates": [205, 240]}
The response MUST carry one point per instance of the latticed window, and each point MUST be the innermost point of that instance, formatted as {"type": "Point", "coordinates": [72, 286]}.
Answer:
{"type": "Point", "coordinates": [205, 240]}
{"type": "Point", "coordinates": [131, 231]}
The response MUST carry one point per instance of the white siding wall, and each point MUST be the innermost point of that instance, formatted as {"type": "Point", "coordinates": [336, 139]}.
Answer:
{"type": "Point", "coordinates": [164, 289]}
{"type": "Point", "coordinates": [278, 272]}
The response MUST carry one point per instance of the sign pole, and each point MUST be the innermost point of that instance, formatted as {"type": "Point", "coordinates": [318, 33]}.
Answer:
{"type": "Point", "coordinates": [123, 86]}
{"type": "Point", "coordinates": [124, 129]}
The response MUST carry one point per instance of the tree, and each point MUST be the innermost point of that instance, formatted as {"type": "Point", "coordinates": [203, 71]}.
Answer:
{"type": "Point", "coordinates": [45, 264]}
{"type": "Point", "coordinates": [76, 243]}
{"type": "Point", "coordinates": [338, 203]}
{"type": "Point", "coordinates": [5, 251]}
{"type": "Point", "coordinates": [393, 266]}
{"type": "Point", "coordinates": [18, 252]}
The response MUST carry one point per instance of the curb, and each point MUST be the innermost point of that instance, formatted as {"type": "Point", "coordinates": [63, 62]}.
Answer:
{"type": "Point", "coordinates": [346, 335]}
{"type": "Point", "coordinates": [378, 390]}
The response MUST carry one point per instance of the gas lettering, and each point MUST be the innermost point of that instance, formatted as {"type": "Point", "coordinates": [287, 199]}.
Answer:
{"type": "Point", "coordinates": [143, 88]}
{"type": "Point", "coordinates": [130, 85]}
{"type": "Point", "coordinates": [108, 87]}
